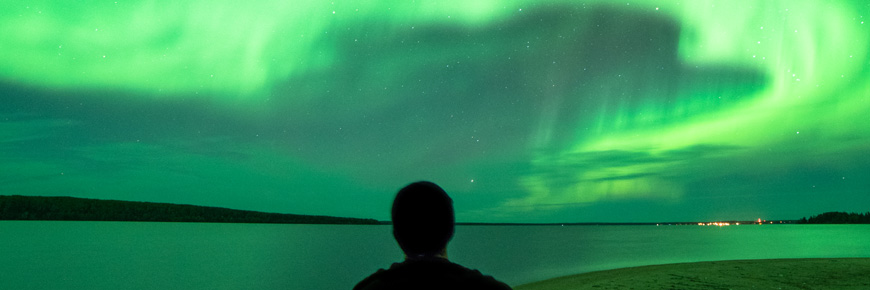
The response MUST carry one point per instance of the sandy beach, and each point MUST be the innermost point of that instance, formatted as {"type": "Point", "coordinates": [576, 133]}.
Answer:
{"type": "Point", "coordinates": [827, 273]}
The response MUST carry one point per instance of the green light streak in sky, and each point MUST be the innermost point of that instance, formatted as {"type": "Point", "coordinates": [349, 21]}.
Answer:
{"type": "Point", "coordinates": [192, 47]}
{"type": "Point", "coordinates": [808, 50]}
{"type": "Point", "coordinates": [157, 46]}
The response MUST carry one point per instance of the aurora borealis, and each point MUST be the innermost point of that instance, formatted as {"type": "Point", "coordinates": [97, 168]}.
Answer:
{"type": "Point", "coordinates": [523, 111]}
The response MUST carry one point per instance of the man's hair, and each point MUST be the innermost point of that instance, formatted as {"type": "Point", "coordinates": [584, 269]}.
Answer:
{"type": "Point", "coordinates": [422, 218]}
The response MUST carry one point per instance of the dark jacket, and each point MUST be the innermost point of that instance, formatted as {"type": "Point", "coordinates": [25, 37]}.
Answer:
{"type": "Point", "coordinates": [429, 273]}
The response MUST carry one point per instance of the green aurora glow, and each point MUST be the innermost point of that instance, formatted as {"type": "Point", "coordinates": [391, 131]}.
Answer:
{"type": "Point", "coordinates": [523, 111]}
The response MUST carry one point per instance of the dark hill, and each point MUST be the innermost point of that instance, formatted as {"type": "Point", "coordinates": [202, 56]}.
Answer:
{"type": "Point", "coordinates": [16, 207]}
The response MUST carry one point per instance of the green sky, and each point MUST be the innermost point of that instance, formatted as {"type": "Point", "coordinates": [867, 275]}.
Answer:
{"type": "Point", "coordinates": [523, 111]}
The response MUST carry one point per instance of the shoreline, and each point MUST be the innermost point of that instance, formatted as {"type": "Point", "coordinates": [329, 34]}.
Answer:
{"type": "Point", "coordinates": [811, 273]}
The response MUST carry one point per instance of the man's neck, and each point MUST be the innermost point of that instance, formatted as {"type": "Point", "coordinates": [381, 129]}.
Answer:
{"type": "Point", "coordinates": [442, 255]}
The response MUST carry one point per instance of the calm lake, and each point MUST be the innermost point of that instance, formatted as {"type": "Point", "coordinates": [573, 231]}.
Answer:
{"type": "Point", "coordinates": [127, 255]}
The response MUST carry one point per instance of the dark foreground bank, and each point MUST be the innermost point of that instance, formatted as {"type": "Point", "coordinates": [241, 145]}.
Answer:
{"type": "Point", "coordinates": [833, 273]}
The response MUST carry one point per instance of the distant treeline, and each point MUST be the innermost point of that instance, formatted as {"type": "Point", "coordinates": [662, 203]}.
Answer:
{"type": "Point", "coordinates": [16, 207]}
{"type": "Point", "coordinates": [837, 218]}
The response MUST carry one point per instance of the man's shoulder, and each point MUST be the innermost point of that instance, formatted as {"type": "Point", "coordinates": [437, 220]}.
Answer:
{"type": "Point", "coordinates": [429, 274]}
{"type": "Point", "coordinates": [476, 278]}
{"type": "Point", "coordinates": [371, 282]}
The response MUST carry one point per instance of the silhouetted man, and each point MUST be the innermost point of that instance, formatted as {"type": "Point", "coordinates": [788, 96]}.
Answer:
{"type": "Point", "coordinates": [423, 225]}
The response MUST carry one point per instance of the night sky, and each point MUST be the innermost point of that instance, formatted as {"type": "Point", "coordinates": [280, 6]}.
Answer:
{"type": "Point", "coordinates": [639, 111]}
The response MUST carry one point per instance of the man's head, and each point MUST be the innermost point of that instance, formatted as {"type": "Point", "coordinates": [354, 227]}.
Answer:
{"type": "Point", "coordinates": [422, 219]}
